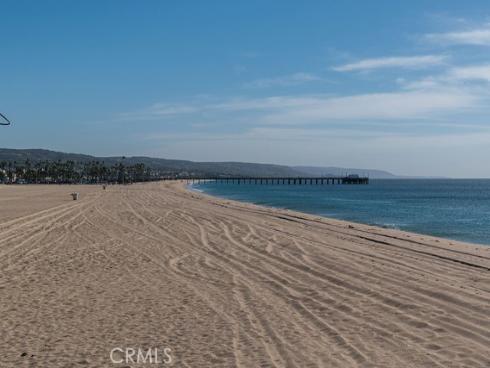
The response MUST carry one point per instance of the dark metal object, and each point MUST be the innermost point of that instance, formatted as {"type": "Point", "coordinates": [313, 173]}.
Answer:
{"type": "Point", "coordinates": [4, 120]}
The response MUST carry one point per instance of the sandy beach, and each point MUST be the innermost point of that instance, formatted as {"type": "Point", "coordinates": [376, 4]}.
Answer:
{"type": "Point", "coordinates": [228, 284]}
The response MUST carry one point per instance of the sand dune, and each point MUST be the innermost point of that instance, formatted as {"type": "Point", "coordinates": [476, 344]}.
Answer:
{"type": "Point", "coordinates": [225, 284]}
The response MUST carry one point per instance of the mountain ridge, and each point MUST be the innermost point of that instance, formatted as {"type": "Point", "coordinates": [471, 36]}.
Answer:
{"type": "Point", "coordinates": [195, 167]}
{"type": "Point", "coordinates": [168, 166]}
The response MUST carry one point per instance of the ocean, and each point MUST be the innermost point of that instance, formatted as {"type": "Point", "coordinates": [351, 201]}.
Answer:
{"type": "Point", "coordinates": [456, 209]}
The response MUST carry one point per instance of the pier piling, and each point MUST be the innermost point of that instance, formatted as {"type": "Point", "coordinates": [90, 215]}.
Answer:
{"type": "Point", "coordinates": [322, 180]}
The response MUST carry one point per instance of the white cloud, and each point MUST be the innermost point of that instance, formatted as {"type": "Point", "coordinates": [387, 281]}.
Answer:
{"type": "Point", "coordinates": [285, 80]}
{"type": "Point", "coordinates": [421, 84]}
{"type": "Point", "coordinates": [199, 106]}
{"type": "Point", "coordinates": [269, 133]}
{"type": "Point", "coordinates": [475, 73]}
{"type": "Point", "coordinates": [377, 106]}
{"type": "Point", "coordinates": [301, 110]}
{"type": "Point", "coordinates": [169, 109]}
{"type": "Point", "coordinates": [477, 36]}
{"type": "Point", "coordinates": [453, 77]}
{"type": "Point", "coordinates": [157, 111]}
{"type": "Point", "coordinates": [265, 103]}
{"type": "Point", "coordinates": [408, 62]}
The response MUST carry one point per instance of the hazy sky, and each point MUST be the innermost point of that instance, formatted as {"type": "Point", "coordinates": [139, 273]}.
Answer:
{"type": "Point", "coordinates": [395, 85]}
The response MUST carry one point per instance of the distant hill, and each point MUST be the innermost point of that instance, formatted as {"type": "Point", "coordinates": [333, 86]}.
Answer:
{"type": "Point", "coordinates": [339, 171]}
{"type": "Point", "coordinates": [163, 165]}
{"type": "Point", "coordinates": [191, 167]}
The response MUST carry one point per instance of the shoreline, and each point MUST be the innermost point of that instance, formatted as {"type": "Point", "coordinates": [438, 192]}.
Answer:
{"type": "Point", "coordinates": [229, 284]}
{"type": "Point", "coordinates": [379, 227]}
{"type": "Point", "coordinates": [378, 230]}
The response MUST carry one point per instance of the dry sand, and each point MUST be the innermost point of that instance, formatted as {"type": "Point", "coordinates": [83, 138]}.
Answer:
{"type": "Point", "coordinates": [226, 284]}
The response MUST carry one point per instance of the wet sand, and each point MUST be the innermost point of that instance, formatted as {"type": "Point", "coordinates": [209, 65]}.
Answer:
{"type": "Point", "coordinates": [228, 284]}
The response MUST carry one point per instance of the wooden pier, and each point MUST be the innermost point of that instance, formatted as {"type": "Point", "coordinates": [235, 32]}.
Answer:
{"type": "Point", "coordinates": [350, 179]}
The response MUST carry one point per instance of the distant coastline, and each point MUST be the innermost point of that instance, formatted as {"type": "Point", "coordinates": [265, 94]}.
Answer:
{"type": "Point", "coordinates": [173, 167]}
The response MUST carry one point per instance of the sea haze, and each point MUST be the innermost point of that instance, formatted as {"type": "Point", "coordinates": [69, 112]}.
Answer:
{"type": "Point", "coordinates": [448, 208]}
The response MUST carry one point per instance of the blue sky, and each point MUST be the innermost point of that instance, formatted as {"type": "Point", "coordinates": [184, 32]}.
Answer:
{"type": "Point", "coordinates": [401, 86]}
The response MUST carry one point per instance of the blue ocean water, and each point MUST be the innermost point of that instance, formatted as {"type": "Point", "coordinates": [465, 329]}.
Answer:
{"type": "Point", "coordinates": [454, 209]}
